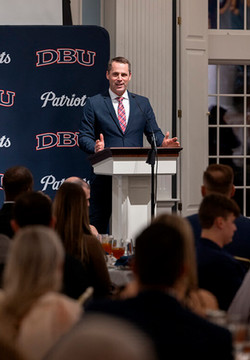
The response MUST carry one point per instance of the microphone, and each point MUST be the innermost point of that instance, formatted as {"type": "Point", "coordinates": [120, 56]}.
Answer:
{"type": "Point", "coordinates": [153, 138]}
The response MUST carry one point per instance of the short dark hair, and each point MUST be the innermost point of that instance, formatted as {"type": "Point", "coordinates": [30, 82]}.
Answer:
{"type": "Point", "coordinates": [17, 180]}
{"type": "Point", "coordinates": [160, 251]}
{"type": "Point", "coordinates": [119, 59]}
{"type": "Point", "coordinates": [218, 178]}
{"type": "Point", "coordinates": [33, 208]}
{"type": "Point", "coordinates": [216, 205]}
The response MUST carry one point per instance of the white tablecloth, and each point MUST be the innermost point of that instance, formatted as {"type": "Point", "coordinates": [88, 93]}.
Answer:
{"type": "Point", "coordinates": [120, 277]}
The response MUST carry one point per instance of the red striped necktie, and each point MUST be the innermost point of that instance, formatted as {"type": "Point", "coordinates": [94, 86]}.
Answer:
{"type": "Point", "coordinates": [121, 114]}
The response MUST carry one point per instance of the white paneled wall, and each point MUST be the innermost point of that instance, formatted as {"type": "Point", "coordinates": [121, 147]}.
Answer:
{"type": "Point", "coordinates": [142, 31]}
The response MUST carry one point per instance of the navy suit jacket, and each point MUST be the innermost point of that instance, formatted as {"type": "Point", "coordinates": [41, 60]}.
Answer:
{"type": "Point", "coordinates": [240, 245]}
{"type": "Point", "coordinates": [177, 333]}
{"type": "Point", "coordinates": [99, 117]}
{"type": "Point", "coordinates": [218, 272]}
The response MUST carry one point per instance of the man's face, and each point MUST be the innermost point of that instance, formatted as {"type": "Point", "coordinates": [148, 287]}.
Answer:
{"type": "Point", "coordinates": [118, 77]}
{"type": "Point", "coordinates": [229, 228]}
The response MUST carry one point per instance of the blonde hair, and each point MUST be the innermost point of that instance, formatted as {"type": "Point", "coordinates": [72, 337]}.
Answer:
{"type": "Point", "coordinates": [34, 267]}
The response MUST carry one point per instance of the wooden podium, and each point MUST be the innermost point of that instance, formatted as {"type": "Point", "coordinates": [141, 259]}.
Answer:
{"type": "Point", "coordinates": [131, 184]}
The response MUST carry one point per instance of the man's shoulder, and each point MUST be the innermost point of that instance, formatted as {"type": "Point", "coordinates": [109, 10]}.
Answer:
{"type": "Point", "coordinates": [138, 97]}
{"type": "Point", "coordinates": [98, 97]}
{"type": "Point", "coordinates": [243, 220]}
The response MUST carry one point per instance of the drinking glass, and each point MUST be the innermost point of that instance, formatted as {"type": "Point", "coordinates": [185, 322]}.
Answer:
{"type": "Point", "coordinates": [118, 248]}
{"type": "Point", "coordinates": [106, 241]}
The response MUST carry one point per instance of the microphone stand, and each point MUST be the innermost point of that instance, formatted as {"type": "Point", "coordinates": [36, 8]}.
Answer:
{"type": "Point", "coordinates": [151, 161]}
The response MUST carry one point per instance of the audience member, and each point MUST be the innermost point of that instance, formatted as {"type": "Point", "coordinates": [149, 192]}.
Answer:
{"type": "Point", "coordinates": [72, 224]}
{"type": "Point", "coordinates": [196, 299]}
{"type": "Point", "coordinates": [33, 315]}
{"type": "Point", "coordinates": [163, 274]}
{"type": "Point", "coordinates": [35, 208]}
{"type": "Point", "coordinates": [219, 178]}
{"type": "Point", "coordinates": [90, 340]}
{"type": "Point", "coordinates": [86, 189]}
{"type": "Point", "coordinates": [16, 180]}
{"type": "Point", "coordinates": [218, 271]}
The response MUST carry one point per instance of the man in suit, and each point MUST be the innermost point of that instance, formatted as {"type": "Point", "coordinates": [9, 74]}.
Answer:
{"type": "Point", "coordinates": [163, 269]}
{"type": "Point", "coordinates": [218, 271]}
{"type": "Point", "coordinates": [117, 118]}
{"type": "Point", "coordinates": [16, 181]}
{"type": "Point", "coordinates": [219, 178]}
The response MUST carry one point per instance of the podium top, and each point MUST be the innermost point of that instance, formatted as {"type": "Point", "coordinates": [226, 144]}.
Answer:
{"type": "Point", "coordinates": [132, 152]}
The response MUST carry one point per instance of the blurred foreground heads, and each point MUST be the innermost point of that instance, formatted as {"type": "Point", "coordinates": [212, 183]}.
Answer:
{"type": "Point", "coordinates": [165, 269]}
{"type": "Point", "coordinates": [103, 337]}
{"type": "Point", "coordinates": [33, 315]}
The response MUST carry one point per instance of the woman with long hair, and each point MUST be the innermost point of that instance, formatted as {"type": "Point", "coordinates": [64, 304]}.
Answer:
{"type": "Point", "coordinates": [72, 224]}
{"type": "Point", "coordinates": [33, 314]}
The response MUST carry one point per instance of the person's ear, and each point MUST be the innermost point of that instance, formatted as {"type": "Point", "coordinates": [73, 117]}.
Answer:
{"type": "Point", "coordinates": [232, 191]}
{"type": "Point", "coordinates": [203, 191]}
{"type": "Point", "coordinates": [219, 222]}
{"type": "Point", "coordinates": [14, 225]}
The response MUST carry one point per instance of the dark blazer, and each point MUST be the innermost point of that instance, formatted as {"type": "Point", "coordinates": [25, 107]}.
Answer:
{"type": "Point", "coordinates": [5, 217]}
{"type": "Point", "coordinates": [176, 332]}
{"type": "Point", "coordinates": [218, 272]}
{"type": "Point", "coordinates": [240, 245]}
{"type": "Point", "coordinates": [99, 117]}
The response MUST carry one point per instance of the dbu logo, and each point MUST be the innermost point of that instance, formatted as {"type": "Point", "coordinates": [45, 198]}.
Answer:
{"type": "Point", "coordinates": [7, 98]}
{"type": "Point", "coordinates": [65, 56]}
{"type": "Point", "coordinates": [60, 139]}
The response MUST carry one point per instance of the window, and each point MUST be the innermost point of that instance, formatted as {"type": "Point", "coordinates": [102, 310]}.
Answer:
{"type": "Point", "coordinates": [229, 124]}
{"type": "Point", "coordinates": [233, 14]}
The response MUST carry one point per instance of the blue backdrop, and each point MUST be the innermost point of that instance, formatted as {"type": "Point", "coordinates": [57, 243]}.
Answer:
{"type": "Point", "coordinates": [46, 73]}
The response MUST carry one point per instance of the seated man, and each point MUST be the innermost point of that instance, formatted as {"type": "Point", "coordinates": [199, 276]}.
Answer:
{"type": "Point", "coordinates": [16, 180]}
{"type": "Point", "coordinates": [163, 271]}
{"type": "Point", "coordinates": [219, 178]}
{"type": "Point", "coordinates": [218, 271]}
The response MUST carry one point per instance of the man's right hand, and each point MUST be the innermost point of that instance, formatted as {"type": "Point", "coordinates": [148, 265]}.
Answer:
{"type": "Point", "coordinates": [99, 144]}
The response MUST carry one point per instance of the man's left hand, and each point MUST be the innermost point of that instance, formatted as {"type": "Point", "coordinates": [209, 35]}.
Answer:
{"type": "Point", "coordinates": [173, 142]}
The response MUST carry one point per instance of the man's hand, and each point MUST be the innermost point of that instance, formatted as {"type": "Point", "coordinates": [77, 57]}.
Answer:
{"type": "Point", "coordinates": [99, 144]}
{"type": "Point", "coordinates": [170, 142]}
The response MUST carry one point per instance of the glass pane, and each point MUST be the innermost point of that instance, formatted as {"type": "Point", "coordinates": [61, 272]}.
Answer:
{"type": "Point", "coordinates": [212, 14]}
{"type": "Point", "coordinates": [238, 197]}
{"type": "Point", "coordinates": [248, 15]}
{"type": "Point", "coordinates": [212, 161]}
{"type": "Point", "coordinates": [248, 111]}
{"type": "Point", "coordinates": [248, 71]}
{"type": "Point", "coordinates": [231, 111]}
{"type": "Point", "coordinates": [212, 141]}
{"type": "Point", "coordinates": [212, 107]}
{"type": "Point", "coordinates": [231, 79]}
{"type": "Point", "coordinates": [248, 140]}
{"type": "Point", "coordinates": [237, 166]}
{"type": "Point", "coordinates": [248, 173]}
{"type": "Point", "coordinates": [212, 79]}
{"type": "Point", "coordinates": [229, 141]}
{"type": "Point", "coordinates": [232, 14]}
{"type": "Point", "coordinates": [247, 203]}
